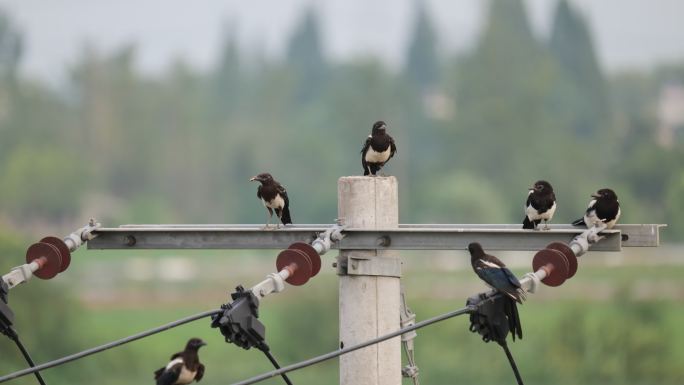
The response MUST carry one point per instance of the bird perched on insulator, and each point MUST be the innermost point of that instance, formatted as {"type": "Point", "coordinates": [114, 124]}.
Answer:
{"type": "Point", "coordinates": [378, 149]}
{"type": "Point", "coordinates": [184, 366]}
{"type": "Point", "coordinates": [540, 205]}
{"type": "Point", "coordinates": [604, 207]}
{"type": "Point", "coordinates": [496, 275]}
{"type": "Point", "coordinates": [274, 197]}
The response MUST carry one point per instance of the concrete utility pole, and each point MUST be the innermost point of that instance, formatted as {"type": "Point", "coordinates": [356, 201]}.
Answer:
{"type": "Point", "coordinates": [369, 283]}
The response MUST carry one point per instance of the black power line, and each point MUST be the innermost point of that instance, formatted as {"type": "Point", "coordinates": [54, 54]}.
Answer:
{"type": "Point", "coordinates": [337, 353]}
{"type": "Point", "coordinates": [110, 345]}
{"type": "Point", "coordinates": [14, 336]}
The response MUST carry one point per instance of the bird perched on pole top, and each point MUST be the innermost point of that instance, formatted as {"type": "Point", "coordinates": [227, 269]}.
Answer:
{"type": "Point", "coordinates": [497, 276]}
{"type": "Point", "coordinates": [377, 150]}
{"type": "Point", "coordinates": [603, 208]}
{"type": "Point", "coordinates": [274, 197]}
{"type": "Point", "coordinates": [184, 366]}
{"type": "Point", "coordinates": [540, 205]}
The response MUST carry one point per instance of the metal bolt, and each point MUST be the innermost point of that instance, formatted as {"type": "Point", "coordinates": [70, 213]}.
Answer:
{"type": "Point", "coordinates": [383, 241]}
{"type": "Point", "coordinates": [130, 240]}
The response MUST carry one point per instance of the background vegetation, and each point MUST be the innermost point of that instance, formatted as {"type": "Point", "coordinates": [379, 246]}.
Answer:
{"type": "Point", "coordinates": [473, 131]}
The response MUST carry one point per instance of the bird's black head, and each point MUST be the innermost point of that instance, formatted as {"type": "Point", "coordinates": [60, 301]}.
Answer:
{"type": "Point", "coordinates": [475, 249]}
{"type": "Point", "coordinates": [542, 187]}
{"type": "Point", "coordinates": [194, 344]}
{"type": "Point", "coordinates": [379, 127]}
{"type": "Point", "coordinates": [262, 178]}
{"type": "Point", "coordinates": [605, 193]}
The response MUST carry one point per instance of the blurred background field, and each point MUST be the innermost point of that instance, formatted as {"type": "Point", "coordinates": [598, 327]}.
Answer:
{"type": "Point", "coordinates": [96, 125]}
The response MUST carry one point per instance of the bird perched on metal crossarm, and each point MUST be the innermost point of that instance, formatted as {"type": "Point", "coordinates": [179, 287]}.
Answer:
{"type": "Point", "coordinates": [603, 209]}
{"type": "Point", "coordinates": [274, 196]}
{"type": "Point", "coordinates": [540, 205]}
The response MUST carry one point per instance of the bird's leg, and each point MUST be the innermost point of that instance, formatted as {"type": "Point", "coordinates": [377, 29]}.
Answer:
{"type": "Point", "coordinates": [546, 225]}
{"type": "Point", "coordinates": [280, 218]}
{"type": "Point", "coordinates": [268, 221]}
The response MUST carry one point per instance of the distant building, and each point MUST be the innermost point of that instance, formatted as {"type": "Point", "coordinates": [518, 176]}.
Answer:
{"type": "Point", "coordinates": [670, 112]}
{"type": "Point", "coordinates": [438, 105]}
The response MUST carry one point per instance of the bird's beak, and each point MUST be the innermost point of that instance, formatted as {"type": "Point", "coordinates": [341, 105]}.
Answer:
{"type": "Point", "coordinates": [595, 195]}
{"type": "Point", "coordinates": [252, 179]}
{"type": "Point", "coordinates": [203, 343]}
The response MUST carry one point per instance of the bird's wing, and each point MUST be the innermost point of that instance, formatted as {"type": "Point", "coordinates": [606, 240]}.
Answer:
{"type": "Point", "coordinates": [393, 147]}
{"type": "Point", "coordinates": [170, 376]}
{"type": "Point", "coordinates": [366, 145]}
{"type": "Point", "coordinates": [158, 373]}
{"type": "Point", "coordinates": [511, 277]}
{"type": "Point", "coordinates": [495, 260]}
{"type": "Point", "coordinates": [176, 355]}
{"type": "Point", "coordinates": [200, 373]}
{"type": "Point", "coordinates": [283, 193]}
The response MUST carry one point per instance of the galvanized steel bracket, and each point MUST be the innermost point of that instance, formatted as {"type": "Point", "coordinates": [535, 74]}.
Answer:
{"type": "Point", "coordinates": [356, 264]}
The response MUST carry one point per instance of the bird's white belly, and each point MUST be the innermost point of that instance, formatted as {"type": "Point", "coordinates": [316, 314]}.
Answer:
{"type": "Point", "coordinates": [373, 156]}
{"type": "Point", "coordinates": [591, 219]}
{"type": "Point", "coordinates": [276, 203]}
{"type": "Point", "coordinates": [534, 216]}
{"type": "Point", "coordinates": [185, 377]}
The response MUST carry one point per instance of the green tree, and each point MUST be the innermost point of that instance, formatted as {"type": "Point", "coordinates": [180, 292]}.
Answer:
{"type": "Point", "coordinates": [422, 62]}
{"type": "Point", "coordinates": [306, 58]}
{"type": "Point", "coordinates": [11, 46]}
{"type": "Point", "coordinates": [584, 95]}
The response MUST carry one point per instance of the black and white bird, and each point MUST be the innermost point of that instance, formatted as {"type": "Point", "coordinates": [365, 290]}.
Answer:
{"type": "Point", "coordinates": [496, 275]}
{"type": "Point", "coordinates": [540, 205]}
{"type": "Point", "coordinates": [274, 197]}
{"type": "Point", "coordinates": [377, 150]}
{"type": "Point", "coordinates": [604, 207]}
{"type": "Point", "coordinates": [184, 366]}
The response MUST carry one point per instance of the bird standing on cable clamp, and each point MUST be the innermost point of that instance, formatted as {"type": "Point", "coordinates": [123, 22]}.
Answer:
{"type": "Point", "coordinates": [540, 205]}
{"type": "Point", "coordinates": [496, 275]}
{"type": "Point", "coordinates": [377, 150]}
{"type": "Point", "coordinates": [274, 197]}
{"type": "Point", "coordinates": [184, 366]}
{"type": "Point", "coordinates": [497, 313]}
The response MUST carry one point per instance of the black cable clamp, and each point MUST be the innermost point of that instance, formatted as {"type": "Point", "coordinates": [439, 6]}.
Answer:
{"type": "Point", "coordinates": [239, 323]}
{"type": "Point", "coordinates": [6, 314]}
{"type": "Point", "coordinates": [495, 317]}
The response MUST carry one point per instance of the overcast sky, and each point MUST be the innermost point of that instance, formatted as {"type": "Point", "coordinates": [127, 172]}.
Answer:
{"type": "Point", "coordinates": [628, 33]}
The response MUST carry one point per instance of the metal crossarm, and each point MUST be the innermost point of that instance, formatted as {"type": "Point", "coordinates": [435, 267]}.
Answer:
{"type": "Point", "coordinates": [406, 237]}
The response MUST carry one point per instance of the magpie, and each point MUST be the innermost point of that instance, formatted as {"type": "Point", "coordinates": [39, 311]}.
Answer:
{"type": "Point", "coordinates": [604, 207]}
{"type": "Point", "coordinates": [497, 276]}
{"type": "Point", "coordinates": [540, 205]}
{"type": "Point", "coordinates": [184, 366]}
{"type": "Point", "coordinates": [377, 150]}
{"type": "Point", "coordinates": [274, 197]}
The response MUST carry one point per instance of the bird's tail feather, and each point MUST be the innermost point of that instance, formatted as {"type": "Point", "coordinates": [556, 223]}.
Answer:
{"type": "Point", "coordinates": [527, 223]}
{"type": "Point", "coordinates": [579, 222]}
{"type": "Point", "coordinates": [285, 218]}
{"type": "Point", "coordinates": [514, 325]}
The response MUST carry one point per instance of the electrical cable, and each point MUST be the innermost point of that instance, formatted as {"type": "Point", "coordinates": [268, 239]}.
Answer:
{"type": "Point", "coordinates": [109, 345]}
{"type": "Point", "coordinates": [513, 365]}
{"type": "Point", "coordinates": [275, 363]}
{"type": "Point", "coordinates": [337, 353]}
{"type": "Point", "coordinates": [14, 336]}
